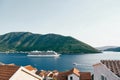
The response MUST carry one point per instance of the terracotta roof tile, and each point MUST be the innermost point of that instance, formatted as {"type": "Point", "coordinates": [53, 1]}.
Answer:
{"type": "Point", "coordinates": [113, 65]}
{"type": "Point", "coordinates": [85, 76]}
{"type": "Point", "coordinates": [64, 75]}
{"type": "Point", "coordinates": [6, 71]}
{"type": "Point", "coordinates": [30, 68]}
{"type": "Point", "coordinates": [82, 75]}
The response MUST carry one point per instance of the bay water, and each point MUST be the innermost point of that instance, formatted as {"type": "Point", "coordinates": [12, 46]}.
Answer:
{"type": "Point", "coordinates": [83, 62]}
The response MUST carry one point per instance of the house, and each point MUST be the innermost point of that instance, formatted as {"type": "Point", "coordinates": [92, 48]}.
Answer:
{"type": "Point", "coordinates": [47, 75]}
{"type": "Point", "coordinates": [107, 70]}
{"type": "Point", "coordinates": [24, 74]}
{"type": "Point", "coordinates": [74, 74]}
{"type": "Point", "coordinates": [13, 72]}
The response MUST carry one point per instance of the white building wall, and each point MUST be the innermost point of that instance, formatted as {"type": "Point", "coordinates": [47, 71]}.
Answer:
{"type": "Point", "coordinates": [24, 74]}
{"type": "Point", "coordinates": [101, 69]}
{"type": "Point", "coordinates": [75, 77]}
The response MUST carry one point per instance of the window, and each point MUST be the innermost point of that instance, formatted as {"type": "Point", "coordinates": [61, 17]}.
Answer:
{"type": "Point", "coordinates": [71, 78]}
{"type": "Point", "coordinates": [103, 77]}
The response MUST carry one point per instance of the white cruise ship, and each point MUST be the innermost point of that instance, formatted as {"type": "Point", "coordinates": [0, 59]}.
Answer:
{"type": "Point", "coordinates": [43, 54]}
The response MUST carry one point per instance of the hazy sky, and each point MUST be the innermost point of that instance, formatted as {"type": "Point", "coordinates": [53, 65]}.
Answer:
{"type": "Point", "coordinates": [96, 22]}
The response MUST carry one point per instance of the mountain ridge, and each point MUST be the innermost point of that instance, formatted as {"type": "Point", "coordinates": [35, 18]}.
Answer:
{"type": "Point", "coordinates": [116, 49]}
{"type": "Point", "coordinates": [27, 41]}
{"type": "Point", "coordinates": [104, 48]}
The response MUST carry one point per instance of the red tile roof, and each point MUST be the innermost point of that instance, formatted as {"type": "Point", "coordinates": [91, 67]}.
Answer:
{"type": "Point", "coordinates": [63, 75]}
{"type": "Point", "coordinates": [85, 76]}
{"type": "Point", "coordinates": [6, 71]}
{"type": "Point", "coordinates": [82, 75]}
{"type": "Point", "coordinates": [30, 68]}
{"type": "Point", "coordinates": [113, 65]}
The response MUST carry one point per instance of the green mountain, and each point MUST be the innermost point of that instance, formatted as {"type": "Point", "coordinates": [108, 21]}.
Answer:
{"type": "Point", "coordinates": [116, 49]}
{"type": "Point", "coordinates": [26, 41]}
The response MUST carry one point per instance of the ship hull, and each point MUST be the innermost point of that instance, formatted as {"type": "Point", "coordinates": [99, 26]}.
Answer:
{"type": "Point", "coordinates": [44, 55]}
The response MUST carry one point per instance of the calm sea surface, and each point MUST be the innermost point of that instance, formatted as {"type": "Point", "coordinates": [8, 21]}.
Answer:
{"type": "Point", "coordinates": [62, 63]}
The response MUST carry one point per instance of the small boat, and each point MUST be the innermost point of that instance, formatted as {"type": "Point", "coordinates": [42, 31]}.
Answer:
{"type": "Point", "coordinates": [43, 54]}
{"type": "Point", "coordinates": [75, 64]}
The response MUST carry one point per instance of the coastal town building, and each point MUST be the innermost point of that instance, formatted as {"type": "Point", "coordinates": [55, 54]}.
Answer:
{"type": "Point", "coordinates": [107, 70]}
{"type": "Point", "coordinates": [48, 75]}
{"type": "Point", "coordinates": [13, 72]}
{"type": "Point", "coordinates": [73, 74]}
{"type": "Point", "coordinates": [24, 74]}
